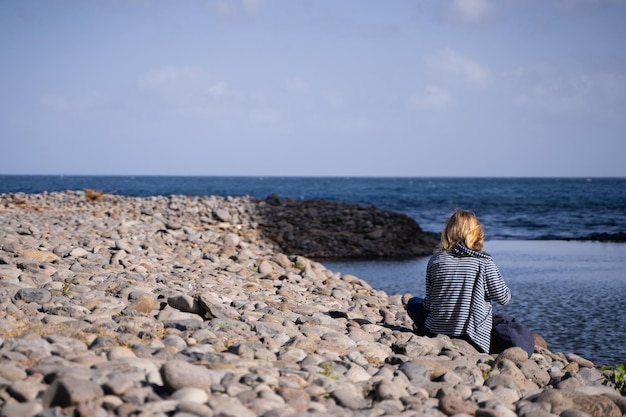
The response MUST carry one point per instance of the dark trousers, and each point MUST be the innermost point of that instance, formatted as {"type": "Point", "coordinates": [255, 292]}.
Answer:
{"type": "Point", "coordinates": [418, 313]}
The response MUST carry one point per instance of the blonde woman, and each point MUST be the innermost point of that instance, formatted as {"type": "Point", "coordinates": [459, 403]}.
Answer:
{"type": "Point", "coordinates": [461, 283]}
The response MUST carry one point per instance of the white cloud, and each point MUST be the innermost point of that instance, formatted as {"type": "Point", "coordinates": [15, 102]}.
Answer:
{"type": "Point", "coordinates": [192, 93]}
{"type": "Point", "coordinates": [471, 11]}
{"type": "Point", "coordinates": [433, 98]}
{"type": "Point", "coordinates": [448, 62]}
{"type": "Point", "coordinates": [297, 85]}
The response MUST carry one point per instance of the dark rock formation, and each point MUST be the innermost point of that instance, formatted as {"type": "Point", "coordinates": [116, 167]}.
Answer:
{"type": "Point", "coordinates": [606, 237]}
{"type": "Point", "coordinates": [322, 229]}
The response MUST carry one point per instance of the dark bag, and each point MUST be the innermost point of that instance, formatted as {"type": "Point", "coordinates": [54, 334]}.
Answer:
{"type": "Point", "coordinates": [508, 332]}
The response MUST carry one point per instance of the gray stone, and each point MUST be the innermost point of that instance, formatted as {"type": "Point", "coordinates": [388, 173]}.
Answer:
{"type": "Point", "coordinates": [33, 295]}
{"type": "Point", "coordinates": [186, 303]}
{"type": "Point", "coordinates": [265, 267]}
{"type": "Point", "coordinates": [349, 396]}
{"type": "Point", "coordinates": [582, 362]}
{"type": "Point", "coordinates": [78, 252]}
{"type": "Point", "coordinates": [68, 391]}
{"type": "Point", "coordinates": [215, 309]}
{"type": "Point", "coordinates": [193, 409]}
{"type": "Point", "coordinates": [123, 245]}
{"type": "Point", "coordinates": [517, 355]}
{"type": "Point", "coordinates": [386, 390]}
{"type": "Point", "coordinates": [28, 389]}
{"type": "Point", "coordinates": [533, 372]}
{"type": "Point", "coordinates": [12, 372]}
{"type": "Point", "coordinates": [23, 409]}
{"type": "Point", "coordinates": [179, 374]}
{"type": "Point", "coordinates": [451, 405]}
{"type": "Point", "coordinates": [191, 395]}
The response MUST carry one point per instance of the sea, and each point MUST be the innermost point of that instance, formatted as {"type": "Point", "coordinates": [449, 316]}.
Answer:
{"type": "Point", "coordinates": [565, 286]}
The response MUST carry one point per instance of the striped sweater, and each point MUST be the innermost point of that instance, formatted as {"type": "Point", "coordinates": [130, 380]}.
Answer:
{"type": "Point", "coordinates": [460, 285]}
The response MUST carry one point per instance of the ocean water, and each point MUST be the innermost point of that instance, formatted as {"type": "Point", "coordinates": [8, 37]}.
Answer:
{"type": "Point", "coordinates": [570, 291]}
{"type": "Point", "coordinates": [509, 208]}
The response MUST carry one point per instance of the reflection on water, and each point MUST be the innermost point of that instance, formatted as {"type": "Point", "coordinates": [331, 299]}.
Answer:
{"type": "Point", "coordinates": [572, 293]}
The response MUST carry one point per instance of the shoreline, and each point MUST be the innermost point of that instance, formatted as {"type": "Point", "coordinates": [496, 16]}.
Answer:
{"type": "Point", "coordinates": [165, 305]}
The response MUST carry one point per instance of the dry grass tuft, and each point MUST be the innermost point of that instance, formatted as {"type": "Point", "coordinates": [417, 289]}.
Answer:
{"type": "Point", "coordinates": [93, 195]}
{"type": "Point", "coordinates": [24, 327]}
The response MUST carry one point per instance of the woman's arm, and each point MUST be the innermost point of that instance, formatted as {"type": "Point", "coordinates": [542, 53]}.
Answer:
{"type": "Point", "coordinates": [495, 287]}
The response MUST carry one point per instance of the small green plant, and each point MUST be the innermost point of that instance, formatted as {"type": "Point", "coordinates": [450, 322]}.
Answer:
{"type": "Point", "coordinates": [617, 375]}
{"type": "Point", "coordinates": [67, 288]}
{"type": "Point", "coordinates": [328, 370]}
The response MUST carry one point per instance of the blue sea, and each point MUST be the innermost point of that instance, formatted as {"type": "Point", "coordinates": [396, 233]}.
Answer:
{"type": "Point", "coordinates": [570, 289]}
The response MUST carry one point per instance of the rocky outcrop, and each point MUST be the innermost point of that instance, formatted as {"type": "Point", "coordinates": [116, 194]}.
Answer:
{"type": "Point", "coordinates": [605, 237]}
{"type": "Point", "coordinates": [321, 229]}
{"type": "Point", "coordinates": [181, 307]}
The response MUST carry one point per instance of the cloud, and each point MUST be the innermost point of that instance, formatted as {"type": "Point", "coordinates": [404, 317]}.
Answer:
{"type": "Point", "coordinates": [297, 85]}
{"type": "Point", "coordinates": [433, 98]}
{"type": "Point", "coordinates": [448, 62]}
{"type": "Point", "coordinates": [192, 93]}
{"type": "Point", "coordinates": [471, 11]}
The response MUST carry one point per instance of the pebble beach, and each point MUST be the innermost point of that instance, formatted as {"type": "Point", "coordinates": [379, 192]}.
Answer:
{"type": "Point", "coordinates": [186, 306]}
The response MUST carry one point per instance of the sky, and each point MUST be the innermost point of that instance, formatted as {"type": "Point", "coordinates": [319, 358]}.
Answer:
{"type": "Point", "coordinates": [501, 88]}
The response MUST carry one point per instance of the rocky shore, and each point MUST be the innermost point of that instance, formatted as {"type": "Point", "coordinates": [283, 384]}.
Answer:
{"type": "Point", "coordinates": [207, 306]}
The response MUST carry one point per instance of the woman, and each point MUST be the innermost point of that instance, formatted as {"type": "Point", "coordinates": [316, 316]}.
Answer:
{"type": "Point", "coordinates": [461, 283]}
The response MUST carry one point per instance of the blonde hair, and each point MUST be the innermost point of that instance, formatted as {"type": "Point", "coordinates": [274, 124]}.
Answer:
{"type": "Point", "coordinates": [463, 226]}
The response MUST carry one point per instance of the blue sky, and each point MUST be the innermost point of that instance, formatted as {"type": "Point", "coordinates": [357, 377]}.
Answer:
{"type": "Point", "coordinates": [313, 88]}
